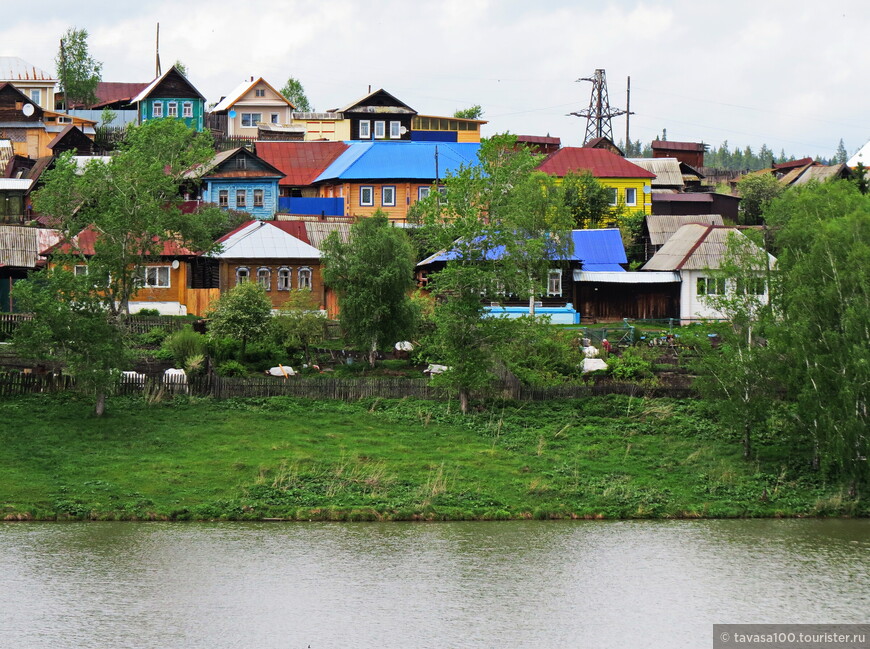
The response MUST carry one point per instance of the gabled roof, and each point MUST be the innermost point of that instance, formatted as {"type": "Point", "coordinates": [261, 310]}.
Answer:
{"type": "Point", "coordinates": [173, 71]}
{"type": "Point", "coordinates": [266, 240]}
{"type": "Point", "coordinates": [374, 102]}
{"type": "Point", "coordinates": [84, 243]}
{"type": "Point", "coordinates": [598, 250]}
{"type": "Point", "coordinates": [20, 246]}
{"type": "Point", "coordinates": [73, 133]}
{"type": "Point", "coordinates": [694, 247]}
{"type": "Point", "coordinates": [35, 118]}
{"type": "Point", "coordinates": [662, 227]}
{"type": "Point", "coordinates": [818, 173]}
{"type": "Point", "coordinates": [667, 170]}
{"type": "Point", "coordinates": [862, 155]}
{"type": "Point", "coordinates": [15, 69]}
{"type": "Point", "coordinates": [241, 90]}
{"type": "Point", "coordinates": [301, 162]}
{"type": "Point", "coordinates": [110, 92]}
{"type": "Point", "coordinates": [400, 160]}
{"type": "Point", "coordinates": [601, 163]}
{"type": "Point", "coordinates": [213, 166]}
{"type": "Point", "coordinates": [792, 164]}
{"type": "Point", "coordinates": [667, 145]}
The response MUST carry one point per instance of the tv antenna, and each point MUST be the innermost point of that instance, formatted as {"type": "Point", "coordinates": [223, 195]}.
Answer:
{"type": "Point", "coordinates": [599, 113]}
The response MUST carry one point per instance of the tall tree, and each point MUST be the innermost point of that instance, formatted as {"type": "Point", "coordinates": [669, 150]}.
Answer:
{"type": "Point", "coordinates": [180, 67]}
{"type": "Point", "coordinates": [294, 91]}
{"type": "Point", "coordinates": [243, 313]}
{"type": "Point", "coordinates": [841, 156]}
{"type": "Point", "coordinates": [756, 193]}
{"type": "Point", "coordinates": [79, 72]}
{"type": "Point", "coordinates": [132, 205]}
{"type": "Point", "coordinates": [373, 273]}
{"type": "Point", "coordinates": [472, 112]}
{"type": "Point", "coordinates": [588, 201]}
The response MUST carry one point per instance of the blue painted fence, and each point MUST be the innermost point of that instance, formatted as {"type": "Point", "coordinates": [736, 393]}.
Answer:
{"type": "Point", "coordinates": [315, 206]}
{"type": "Point", "coordinates": [564, 315]}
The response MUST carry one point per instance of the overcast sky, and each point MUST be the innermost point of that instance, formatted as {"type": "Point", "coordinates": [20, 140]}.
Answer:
{"type": "Point", "coordinates": [791, 74]}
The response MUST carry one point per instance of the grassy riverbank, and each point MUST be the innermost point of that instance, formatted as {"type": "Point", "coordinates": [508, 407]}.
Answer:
{"type": "Point", "coordinates": [610, 457]}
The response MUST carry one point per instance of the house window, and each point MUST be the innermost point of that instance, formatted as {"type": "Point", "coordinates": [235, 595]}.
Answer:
{"type": "Point", "coordinates": [443, 199]}
{"type": "Point", "coordinates": [554, 283]}
{"type": "Point", "coordinates": [305, 278]}
{"type": "Point", "coordinates": [157, 109]}
{"type": "Point", "coordinates": [187, 109]}
{"type": "Point", "coordinates": [380, 130]}
{"type": "Point", "coordinates": [80, 270]}
{"type": "Point", "coordinates": [260, 92]}
{"type": "Point", "coordinates": [751, 286]}
{"type": "Point", "coordinates": [250, 119]}
{"type": "Point", "coordinates": [264, 278]}
{"type": "Point", "coordinates": [273, 118]}
{"type": "Point", "coordinates": [613, 195]}
{"type": "Point", "coordinates": [172, 109]}
{"type": "Point", "coordinates": [241, 196]}
{"type": "Point", "coordinates": [242, 275]}
{"type": "Point", "coordinates": [224, 198]}
{"type": "Point", "coordinates": [36, 96]}
{"type": "Point", "coordinates": [388, 196]}
{"type": "Point", "coordinates": [241, 163]}
{"type": "Point", "coordinates": [630, 196]}
{"type": "Point", "coordinates": [155, 276]}
{"type": "Point", "coordinates": [365, 129]}
{"type": "Point", "coordinates": [366, 196]}
{"type": "Point", "coordinates": [284, 278]}
{"type": "Point", "coordinates": [395, 130]}
{"type": "Point", "coordinates": [258, 198]}
{"type": "Point", "coordinates": [423, 192]}
{"type": "Point", "coordinates": [711, 286]}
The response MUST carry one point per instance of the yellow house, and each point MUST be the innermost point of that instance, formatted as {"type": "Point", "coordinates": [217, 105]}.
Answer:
{"type": "Point", "coordinates": [630, 185]}
{"type": "Point", "coordinates": [251, 103]}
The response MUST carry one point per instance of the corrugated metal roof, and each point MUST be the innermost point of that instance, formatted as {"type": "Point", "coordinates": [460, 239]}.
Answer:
{"type": "Point", "coordinates": [356, 104]}
{"type": "Point", "coordinates": [15, 69]}
{"type": "Point", "coordinates": [694, 247]}
{"type": "Point", "coordinates": [661, 227]}
{"type": "Point", "coordinates": [667, 171]}
{"type": "Point", "coordinates": [15, 184]}
{"type": "Point", "coordinates": [641, 277]}
{"type": "Point", "coordinates": [818, 173]}
{"type": "Point", "coordinates": [668, 145]}
{"type": "Point", "coordinates": [599, 162]}
{"type": "Point", "coordinates": [400, 160]}
{"type": "Point", "coordinates": [302, 162]}
{"type": "Point", "coordinates": [264, 240]}
{"type": "Point", "coordinates": [319, 230]}
{"type": "Point", "coordinates": [20, 246]}
{"type": "Point", "coordinates": [241, 90]}
{"type": "Point", "coordinates": [688, 197]}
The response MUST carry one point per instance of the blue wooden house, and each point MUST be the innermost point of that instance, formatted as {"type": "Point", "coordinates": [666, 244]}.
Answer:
{"type": "Point", "coordinates": [171, 95]}
{"type": "Point", "coordinates": [239, 180]}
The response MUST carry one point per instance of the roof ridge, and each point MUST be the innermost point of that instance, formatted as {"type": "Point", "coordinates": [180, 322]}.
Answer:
{"type": "Point", "coordinates": [697, 244]}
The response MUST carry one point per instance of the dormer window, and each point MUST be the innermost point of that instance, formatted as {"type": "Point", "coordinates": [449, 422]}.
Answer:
{"type": "Point", "coordinates": [260, 92]}
{"type": "Point", "coordinates": [241, 163]}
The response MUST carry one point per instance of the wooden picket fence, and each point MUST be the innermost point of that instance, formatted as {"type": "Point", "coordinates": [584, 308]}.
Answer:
{"type": "Point", "coordinates": [135, 324]}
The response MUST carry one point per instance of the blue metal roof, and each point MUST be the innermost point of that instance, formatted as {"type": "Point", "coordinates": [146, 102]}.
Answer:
{"type": "Point", "coordinates": [600, 250]}
{"type": "Point", "coordinates": [389, 160]}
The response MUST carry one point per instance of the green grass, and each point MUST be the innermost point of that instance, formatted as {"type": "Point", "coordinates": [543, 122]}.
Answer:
{"type": "Point", "coordinates": [608, 457]}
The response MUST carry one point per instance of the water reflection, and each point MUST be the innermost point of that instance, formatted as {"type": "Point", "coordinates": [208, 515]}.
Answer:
{"type": "Point", "coordinates": [517, 584]}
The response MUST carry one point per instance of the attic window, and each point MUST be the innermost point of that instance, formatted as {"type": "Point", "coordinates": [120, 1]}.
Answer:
{"type": "Point", "coordinates": [241, 163]}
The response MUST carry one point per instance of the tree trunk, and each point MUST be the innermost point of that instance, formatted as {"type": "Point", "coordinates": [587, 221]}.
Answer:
{"type": "Point", "coordinates": [373, 352]}
{"type": "Point", "coordinates": [463, 401]}
{"type": "Point", "coordinates": [100, 406]}
{"type": "Point", "coordinates": [747, 441]}
{"type": "Point", "coordinates": [532, 305]}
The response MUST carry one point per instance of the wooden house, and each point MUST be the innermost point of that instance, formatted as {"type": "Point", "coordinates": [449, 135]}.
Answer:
{"type": "Point", "coordinates": [171, 95]}
{"type": "Point", "coordinates": [239, 180]}
{"type": "Point", "coordinates": [629, 184]}
{"type": "Point", "coordinates": [390, 176]}
{"type": "Point", "coordinates": [431, 128]}
{"type": "Point", "coordinates": [20, 249]}
{"type": "Point", "coordinates": [252, 103]}
{"type": "Point", "coordinates": [692, 153]}
{"type": "Point", "coordinates": [378, 116]}
{"type": "Point", "coordinates": [657, 229]}
{"type": "Point", "coordinates": [693, 203]}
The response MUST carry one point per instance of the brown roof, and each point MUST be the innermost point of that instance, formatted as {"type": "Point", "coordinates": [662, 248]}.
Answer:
{"type": "Point", "coordinates": [694, 246]}
{"type": "Point", "coordinates": [108, 92]}
{"type": "Point", "coordinates": [667, 145]}
{"type": "Point", "coordinates": [601, 163]}
{"type": "Point", "coordinates": [302, 162]}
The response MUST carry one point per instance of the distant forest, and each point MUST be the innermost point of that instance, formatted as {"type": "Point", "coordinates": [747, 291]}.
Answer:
{"type": "Point", "coordinates": [735, 159]}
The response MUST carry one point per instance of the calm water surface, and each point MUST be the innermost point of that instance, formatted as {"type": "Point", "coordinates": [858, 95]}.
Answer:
{"type": "Point", "coordinates": [518, 584]}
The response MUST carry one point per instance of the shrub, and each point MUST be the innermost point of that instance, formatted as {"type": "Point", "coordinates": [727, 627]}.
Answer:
{"type": "Point", "coordinates": [195, 364]}
{"type": "Point", "coordinates": [183, 344]}
{"type": "Point", "coordinates": [148, 312]}
{"type": "Point", "coordinates": [231, 368]}
{"type": "Point", "coordinates": [630, 366]}
{"type": "Point", "coordinates": [154, 336]}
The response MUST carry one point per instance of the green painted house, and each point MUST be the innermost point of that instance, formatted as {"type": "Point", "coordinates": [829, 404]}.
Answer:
{"type": "Point", "coordinates": [171, 95]}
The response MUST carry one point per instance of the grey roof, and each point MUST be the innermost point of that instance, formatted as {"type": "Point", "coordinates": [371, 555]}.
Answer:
{"type": "Point", "coordinates": [695, 247]}
{"type": "Point", "coordinates": [20, 184]}
{"type": "Point", "coordinates": [818, 173]}
{"type": "Point", "coordinates": [319, 230]}
{"type": "Point", "coordinates": [240, 90]}
{"type": "Point", "coordinates": [263, 240]}
{"type": "Point", "coordinates": [15, 69]}
{"type": "Point", "coordinates": [661, 227]}
{"type": "Point", "coordinates": [640, 277]}
{"type": "Point", "coordinates": [667, 170]}
{"type": "Point", "coordinates": [20, 246]}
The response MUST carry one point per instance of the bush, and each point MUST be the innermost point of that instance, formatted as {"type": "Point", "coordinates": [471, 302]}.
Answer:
{"type": "Point", "coordinates": [148, 312]}
{"type": "Point", "coordinates": [183, 344]}
{"type": "Point", "coordinates": [231, 368]}
{"type": "Point", "coordinates": [154, 336]}
{"type": "Point", "coordinates": [630, 366]}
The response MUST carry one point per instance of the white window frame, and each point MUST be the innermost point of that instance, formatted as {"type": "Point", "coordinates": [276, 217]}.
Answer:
{"type": "Point", "coordinates": [423, 192]}
{"type": "Point", "coordinates": [614, 196]}
{"type": "Point", "coordinates": [716, 286]}
{"type": "Point", "coordinates": [750, 286]}
{"type": "Point", "coordinates": [304, 278]}
{"type": "Point", "coordinates": [157, 109]}
{"type": "Point", "coordinates": [187, 109]}
{"type": "Point", "coordinates": [631, 198]}
{"type": "Point", "coordinates": [365, 129]}
{"type": "Point", "coordinates": [388, 196]}
{"type": "Point", "coordinates": [285, 278]}
{"type": "Point", "coordinates": [156, 277]}
{"type": "Point", "coordinates": [273, 118]}
{"type": "Point", "coordinates": [243, 193]}
{"type": "Point", "coordinates": [264, 277]}
{"type": "Point", "coordinates": [554, 282]}
{"type": "Point", "coordinates": [80, 270]}
{"type": "Point", "coordinates": [172, 109]}
{"type": "Point", "coordinates": [371, 199]}
{"type": "Point", "coordinates": [223, 198]}
{"type": "Point", "coordinates": [380, 130]}
{"type": "Point", "coordinates": [395, 130]}
{"type": "Point", "coordinates": [36, 96]}
{"type": "Point", "coordinates": [250, 120]}
{"type": "Point", "coordinates": [243, 274]}
{"type": "Point", "coordinates": [259, 198]}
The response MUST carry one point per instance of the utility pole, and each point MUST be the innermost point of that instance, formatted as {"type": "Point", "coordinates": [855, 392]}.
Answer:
{"type": "Point", "coordinates": [628, 114]}
{"type": "Point", "coordinates": [599, 113]}
{"type": "Point", "coordinates": [63, 75]}
{"type": "Point", "coordinates": [157, 52]}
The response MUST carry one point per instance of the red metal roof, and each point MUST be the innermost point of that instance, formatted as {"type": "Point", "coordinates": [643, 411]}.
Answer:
{"type": "Point", "coordinates": [539, 139]}
{"type": "Point", "coordinates": [667, 145]}
{"type": "Point", "coordinates": [599, 162]}
{"type": "Point", "coordinates": [793, 164]}
{"type": "Point", "coordinates": [301, 161]}
{"type": "Point", "coordinates": [84, 244]}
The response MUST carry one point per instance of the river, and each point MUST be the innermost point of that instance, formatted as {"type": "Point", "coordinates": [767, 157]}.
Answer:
{"type": "Point", "coordinates": [622, 584]}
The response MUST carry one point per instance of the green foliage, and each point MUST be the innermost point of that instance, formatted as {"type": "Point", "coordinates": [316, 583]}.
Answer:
{"type": "Point", "coordinates": [841, 156]}
{"type": "Point", "coordinates": [300, 322]}
{"type": "Point", "coordinates": [472, 112]}
{"type": "Point", "coordinates": [756, 193]}
{"type": "Point", "coordinates": [243, 312]}
{"type": "Point", "coordinates": [630, 366]}
{"type": "Point", "coordinates": [536, 352]}
{"type": "Point", "coordinates": [153, 336]}
{"type": "Point", "coordinates": [294, 92]}
{"type": "Point", "coordinates": [148, 312]}
{"type": "Point", "coordinates": [184, 344]}
{"type": "Point", "coordinates": [588, 201]}
{"type": "Point", "coordinates": [178, 65]}
{"type": "Point", "coordinates": [231, 368]}
{"type": "Point", "coordinates": [373, 273]}
{"type": "Point", "coordinates": [79, 72]}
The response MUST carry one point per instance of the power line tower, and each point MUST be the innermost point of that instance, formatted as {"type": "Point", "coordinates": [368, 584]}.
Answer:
{"type": "Point", "coordinates": [599, 113]}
